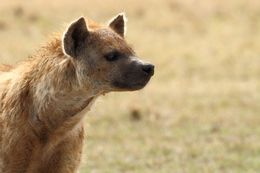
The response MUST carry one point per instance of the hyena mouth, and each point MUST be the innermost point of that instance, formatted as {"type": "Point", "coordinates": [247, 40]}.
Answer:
{"type": "Point", "coordinates": [135, 80]}
{"type": "Point", "coordinates": [124, 86]}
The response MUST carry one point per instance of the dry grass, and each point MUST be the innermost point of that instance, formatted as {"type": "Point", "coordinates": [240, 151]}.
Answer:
{"type": "Point", "coordinates": [201, 111]}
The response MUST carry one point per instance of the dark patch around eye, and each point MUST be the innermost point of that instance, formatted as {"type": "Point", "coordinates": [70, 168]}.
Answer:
{"type": "Point", "coordinates": [113, 56]}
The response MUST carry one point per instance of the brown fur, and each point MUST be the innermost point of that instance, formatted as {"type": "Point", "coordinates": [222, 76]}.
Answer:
{"type": "Point", "coordinates": [49, 142]}
{"type": "Point", "coordinates": [42, 103]}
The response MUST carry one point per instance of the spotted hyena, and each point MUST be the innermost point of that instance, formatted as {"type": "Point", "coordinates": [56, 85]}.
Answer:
{"type": "Point", "coordinates": [43, 99]}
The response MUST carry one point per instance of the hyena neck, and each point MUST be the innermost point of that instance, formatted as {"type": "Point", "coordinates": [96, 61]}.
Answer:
{"type": "Point", "coordinates": [55, 94]}
{"type": "Point", "coordinates": [60, 92]}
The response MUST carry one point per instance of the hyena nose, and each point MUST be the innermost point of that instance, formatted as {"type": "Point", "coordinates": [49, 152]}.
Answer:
{"type": "Point", "coordinates": [148, 68]}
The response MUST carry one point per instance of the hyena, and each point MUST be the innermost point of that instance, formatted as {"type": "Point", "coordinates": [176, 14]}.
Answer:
{"type": "Point", "coordinates": [44, 99]}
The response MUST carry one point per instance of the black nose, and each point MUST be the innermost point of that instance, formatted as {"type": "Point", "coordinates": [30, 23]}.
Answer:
{"type": "Point", "coordinates": [148, 68]}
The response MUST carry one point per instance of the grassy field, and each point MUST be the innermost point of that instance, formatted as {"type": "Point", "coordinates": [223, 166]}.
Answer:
{"type": "Point", "coordinates": [201, 111]}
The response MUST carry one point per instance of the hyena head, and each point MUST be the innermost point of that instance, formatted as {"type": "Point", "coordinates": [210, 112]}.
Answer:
{"type": "Point", "coordinates": [103, 56]}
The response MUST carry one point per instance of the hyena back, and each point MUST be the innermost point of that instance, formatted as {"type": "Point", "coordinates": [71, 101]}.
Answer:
{"type": "Point", "coordinates": [43, 100]}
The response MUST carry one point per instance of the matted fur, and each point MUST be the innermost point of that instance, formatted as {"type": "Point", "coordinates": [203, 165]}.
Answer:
{"type": "Point", "coordinates": [44, 99]}
{"type": "Point", "coordinates": [41, 143]}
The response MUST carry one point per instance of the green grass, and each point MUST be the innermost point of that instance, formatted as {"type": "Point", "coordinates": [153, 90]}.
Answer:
{"type": "Point", "coordinates": [200, 112]}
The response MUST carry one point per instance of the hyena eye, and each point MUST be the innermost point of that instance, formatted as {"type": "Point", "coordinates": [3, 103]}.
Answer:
{"type": "Point", "coordinates": [113, 56]}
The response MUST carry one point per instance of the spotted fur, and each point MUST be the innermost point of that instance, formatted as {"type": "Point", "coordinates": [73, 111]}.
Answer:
{"type": "Point", "coordinates": [44, 99]}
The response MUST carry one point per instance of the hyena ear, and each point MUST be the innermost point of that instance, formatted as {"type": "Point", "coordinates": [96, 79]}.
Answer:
{"type": "Point", "coordinates": [74, 37]}
{"type": "Point", "coordinates": [118, 24]}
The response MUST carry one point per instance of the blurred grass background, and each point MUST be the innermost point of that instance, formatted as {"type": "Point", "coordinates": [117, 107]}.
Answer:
{"type": "Point", "coordinates": [200, 112]}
